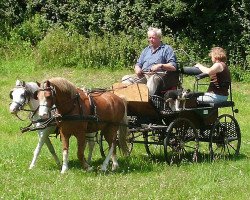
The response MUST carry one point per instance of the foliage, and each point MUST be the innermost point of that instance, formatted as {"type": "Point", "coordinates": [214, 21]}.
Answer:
{"type": "Point", "coordinates": [12, 13]}
{"type": "Point", "coordinates": [59, 48]}
{"type": "Point", "coordinates": [241, 11]}
{"type": "Point", "coordinates": [33, 29]}
{"type": "Point", "coordinates": [196, 26]}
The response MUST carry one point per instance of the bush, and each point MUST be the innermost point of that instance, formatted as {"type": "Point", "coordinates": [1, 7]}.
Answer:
{"type": "Point", "coordinates": [58, 49]}
{"type": "Point", "coordinates": [33, 30]}
{"type": "Point", "coordinates": [61, 49]}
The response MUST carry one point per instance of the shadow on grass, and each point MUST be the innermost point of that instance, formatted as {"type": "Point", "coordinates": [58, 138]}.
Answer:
{"type": "Point", "coordinates": [131, 164]}
{"type": "Point", "coordinates": [144, 164]}
{"type": "Point", "coordinates": [206, 158]}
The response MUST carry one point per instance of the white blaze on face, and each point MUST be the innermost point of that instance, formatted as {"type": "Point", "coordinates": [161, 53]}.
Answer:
{"type": "Point", "coordinates": [44, 109]}
{"type": "Point", "coordinates": [18, 99]}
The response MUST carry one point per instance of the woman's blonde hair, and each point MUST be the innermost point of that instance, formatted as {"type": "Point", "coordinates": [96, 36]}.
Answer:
{"type": "Point", "coordinates": [218, 53]}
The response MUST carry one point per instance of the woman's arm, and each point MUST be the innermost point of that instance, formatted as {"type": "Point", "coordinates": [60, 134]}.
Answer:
{"type": "Point", "coordinates": [216, 68]}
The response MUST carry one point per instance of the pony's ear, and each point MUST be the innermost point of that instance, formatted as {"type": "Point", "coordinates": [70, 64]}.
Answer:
{"type": "Point", "coordinates": [11, 96]}
{"type": "Point", "coordinates": [38, 84]}
{"type": "Point", "coordinates": [18, 83]}
{"type": "Point", "coordinates": [35, 95]}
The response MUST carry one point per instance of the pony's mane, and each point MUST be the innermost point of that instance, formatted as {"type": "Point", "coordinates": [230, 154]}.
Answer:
{"type": "Point", "coordinates": [64, 85]}
{"type": "Point", "coordinates": [31, 86]}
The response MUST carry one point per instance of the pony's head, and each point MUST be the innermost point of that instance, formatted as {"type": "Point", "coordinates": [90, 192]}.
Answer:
{"type": "Point", "coordinates": [20, 95]}
{"type": "Point", "coordinates": [52, 92]}
{"type": "Point", "coordinates": [45, 96]}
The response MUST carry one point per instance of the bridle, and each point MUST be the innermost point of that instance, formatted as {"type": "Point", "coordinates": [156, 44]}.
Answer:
{"type": "Point", "coordinates": [50, 92]}
{"type": "Point", "coordinates": [20, 106]}
{"type": "Point", "coordinates": [26, 95]}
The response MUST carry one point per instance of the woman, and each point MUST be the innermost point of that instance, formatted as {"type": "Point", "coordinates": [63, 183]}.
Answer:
{"type": "Point", "coordinates": [220, 78]}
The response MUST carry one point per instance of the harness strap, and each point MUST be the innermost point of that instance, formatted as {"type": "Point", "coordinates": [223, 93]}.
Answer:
{"type": "Point", "coordinates": [92, 107]}
{"type": "Point", "coordinates": [80, 105]}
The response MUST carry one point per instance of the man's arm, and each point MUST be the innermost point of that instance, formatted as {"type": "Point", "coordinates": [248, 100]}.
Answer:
{"type": "Point", "coordinates": [170, 64]}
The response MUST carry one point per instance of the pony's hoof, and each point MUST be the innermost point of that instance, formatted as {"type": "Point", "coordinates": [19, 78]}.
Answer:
{"type": "Point", "coordinates": [64, 169]}
{"type": "Point", "coordinates": [104, 168]}
{"type": "Point", "coordinates": [31, 166]}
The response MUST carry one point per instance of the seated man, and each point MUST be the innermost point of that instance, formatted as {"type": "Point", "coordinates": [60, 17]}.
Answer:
{"type": "Point", "coordinates": [157, 57]}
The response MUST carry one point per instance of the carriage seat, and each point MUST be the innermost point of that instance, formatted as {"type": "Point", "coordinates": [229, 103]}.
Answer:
{"type": "Point", "coordinates": [194, 95]}
{"type": "Point", "coordinates": [217, 105]}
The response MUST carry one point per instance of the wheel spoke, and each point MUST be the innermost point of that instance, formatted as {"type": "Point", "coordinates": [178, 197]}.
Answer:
{"type": "Point", "coordinates": [231, 146]}
{"type": "Point", "coordinates": [181, 141]}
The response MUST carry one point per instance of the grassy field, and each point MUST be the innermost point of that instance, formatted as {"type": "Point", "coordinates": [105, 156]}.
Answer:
{"type": "Point", "coordinates": [138, 176]}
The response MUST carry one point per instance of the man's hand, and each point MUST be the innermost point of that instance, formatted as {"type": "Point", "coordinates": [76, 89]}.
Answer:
{"type": "Point", "coordinates": [138, 71]}
{"type": "Point", "coordinates": [156, 67]}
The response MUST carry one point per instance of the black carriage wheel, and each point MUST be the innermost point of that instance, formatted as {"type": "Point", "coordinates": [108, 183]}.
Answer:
{"type": "Point", "coordinates": [104, 147]}
{"type": "Point", "coordinates": [181, 142]}
{"type": "Point", "coordinates": [225, 138]}
{"type": "Point", "coordinates": [153, 142]}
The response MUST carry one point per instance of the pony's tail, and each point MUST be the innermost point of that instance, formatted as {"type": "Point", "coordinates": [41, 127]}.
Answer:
{"type": "Point", "coordinates": [123, 131]}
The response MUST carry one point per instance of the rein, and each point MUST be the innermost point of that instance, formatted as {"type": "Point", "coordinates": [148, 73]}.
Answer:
{"type": "Point", "coordinates": [87, 118]}
{"type": "Point", "coordinates": [27, 128]}
{"type": "Point", "coordinates": [66, 117]}
{"type": "Point", "coordinates": [46, 123]}
{"type": "Point", "coordinates": [27, 110]}
{"type": "Point", "coordinates": [81, 116]}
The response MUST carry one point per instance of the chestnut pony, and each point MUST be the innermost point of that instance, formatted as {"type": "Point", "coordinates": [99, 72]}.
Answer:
{"type": "Point", "coordinates": [79, 113]}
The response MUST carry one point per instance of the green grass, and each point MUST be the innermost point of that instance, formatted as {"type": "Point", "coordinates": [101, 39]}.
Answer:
{"type": "Point", "coordinates": [138, 177]}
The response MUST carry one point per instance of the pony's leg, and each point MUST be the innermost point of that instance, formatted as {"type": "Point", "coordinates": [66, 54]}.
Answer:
{"type": "Point", "coordinates": [81, 143]}
{"type": "Point", "coordinates": [106, 161]}
{"type": "Point", "coordinates": [114, 158]}
{"type": "Point", "coordinates": [65, 142]}
{"type": "Point", "coordinates": [111, 139]}
{"type": "Point", "coordinates": [52, 151]}
{"type": "Point", "coordinates": [37, 149]}
{"type": "Point", "coordinates": [91, 144]}
{"type": "Point", "coordinates": [113, 155]}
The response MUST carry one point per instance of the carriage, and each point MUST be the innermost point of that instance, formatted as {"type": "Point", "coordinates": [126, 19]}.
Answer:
{"type": "Point", "coordinates": [177, 134]}
{"type": "Point", "coordinates": [194, 132]}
